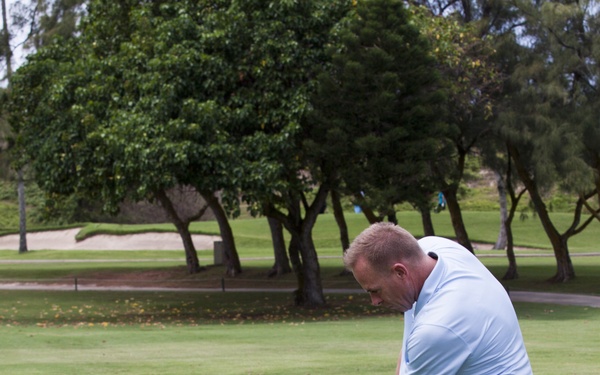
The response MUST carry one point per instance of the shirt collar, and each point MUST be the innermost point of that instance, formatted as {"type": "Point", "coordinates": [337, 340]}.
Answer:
{"type": "Point", "coordinates": [430, 286]}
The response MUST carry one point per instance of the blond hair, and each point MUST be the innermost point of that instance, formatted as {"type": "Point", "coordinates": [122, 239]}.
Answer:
{"type": "Point", "coordinates": [383, 244]}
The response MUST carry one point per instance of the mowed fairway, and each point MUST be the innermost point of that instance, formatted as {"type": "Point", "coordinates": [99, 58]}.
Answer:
{"type": "Point", "coordinates": [311, 348]}
{"type": "Point", "coordinates": [244, 333]}
{"type": "Point", "coordinates": [183, 333]}
{"type": "Point", "coordinates": [170, 333]}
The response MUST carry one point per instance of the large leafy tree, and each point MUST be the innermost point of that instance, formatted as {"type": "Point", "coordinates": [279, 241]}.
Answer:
{"type": "Point", "coordinates": [272, 51]}
{"type": "Point", "coordinates": [378, 111]}
{"type": "Point", "coordinates": [267, 84]}
{"type": "Point", "coordinates": [123, 112]}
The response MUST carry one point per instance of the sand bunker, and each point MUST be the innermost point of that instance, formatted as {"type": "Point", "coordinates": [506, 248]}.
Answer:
{"type": "Point", "coordinates": [65, 240]}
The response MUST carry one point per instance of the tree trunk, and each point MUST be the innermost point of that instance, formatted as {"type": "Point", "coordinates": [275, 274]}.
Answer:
{"type": "Point", "coordinates": [426, 221]}
{"type": "Point", "coordinates": [369, 214]}
{"type": "Point", "coordinates": [511, 271]}
{"type": "Point", "coordinates": [338, 213]}
{"type": "Point", "coordinates": [22, 213]}
{"type": "Point", "coordinates": [366, 210]}
{"type": "Point", "coordinates": [467, 11]}
{"type": "Point", "coordinates": [392, 218]}
{"type": "Point", "coordinates": [8, 53]}
{"type": "Point", "coordinates": [457, 221]}
{"type": "Point", "coordinates": [232, 259]}
{"type": "Point", "coordinates": [502, 235]}
{"type": "Point", "coordinates": [564, 266]}
{"type": "Point", "coordinates": [312, 290]}
{"type": "Point", "coordinates": [282, 262]}
{"type": "Point", "coordinates": [191, 256]}
{"type": "Point", "coordinates": [303, 254]}
{"type": "Point", "coordinates": [7, 50]}
{"type": "Point", "coordinates": [294, 251]}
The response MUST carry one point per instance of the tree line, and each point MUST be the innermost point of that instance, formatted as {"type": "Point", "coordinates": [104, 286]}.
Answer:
{"type": "Point", "coordinates": [280, 104]}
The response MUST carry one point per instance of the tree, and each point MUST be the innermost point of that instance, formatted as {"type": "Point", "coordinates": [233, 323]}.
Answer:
{"type": "Point", "coordinates": [271, 52]}
{"type": "Point", "coordinates": [495, 153]}
{"type": "Point", "coordinates": [465, 35]}
{"type": "Point", "coordinates": [282, 261]}
{"type": "Point", "coordinates": [340, 219]}
{"type": "Point", "coordinates": [502, 235]}
{"type": "Point", "coordinates": [46, 20]}
{"type": "Point", "coordinates": [468, 74]}
{"type": "Point", "coordinates": [7, 53]}
{"type": "Point", "coordinates": [376, 124]}
{"type": "Point", "coordinates": [515, 197]}
{"type": "Point", "coordinates": [182, 219]}
{"type": "Point", "coordinates": [506, 178]}
{"type": "Point", "coordinates": [123, 112]}
{"type": "Point", "coordinates": [166, 76]}
{"type": "Point", "coordinates": [555, 102]}
{"type": "Point", "coordinates": [63, 15]}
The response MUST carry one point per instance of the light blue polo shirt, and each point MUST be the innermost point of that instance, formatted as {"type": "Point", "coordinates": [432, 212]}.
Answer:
{"type": "Point", "coordinates": [463, 321]}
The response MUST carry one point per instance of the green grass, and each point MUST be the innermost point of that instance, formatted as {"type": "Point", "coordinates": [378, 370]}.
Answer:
{"type": "Point", "coordinates": [253, 236]}
{"type": "Point", "coordinates": [124, 229]}
{"type": "Point", "coordinates": [254, 246]}
{"type": "Point", "coordinates": [244, 333]}
{"type": "Point", "coordinates": [560, 340]}
{"type": "Point", "coordinates": [534, 273]}
{"type": "Point", "coordinates": [138, 332]}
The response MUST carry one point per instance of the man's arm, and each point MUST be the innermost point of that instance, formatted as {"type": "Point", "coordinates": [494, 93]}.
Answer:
{"type": "Point", "coordinates": [436, 350]}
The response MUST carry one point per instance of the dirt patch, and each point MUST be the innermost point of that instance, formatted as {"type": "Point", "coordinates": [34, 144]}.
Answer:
{"type": "Point", "coordinates": [167, 277]}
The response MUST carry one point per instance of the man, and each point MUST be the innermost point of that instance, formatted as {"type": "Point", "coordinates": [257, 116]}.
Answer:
{"type": "Point", "coordinates": [458, 318]}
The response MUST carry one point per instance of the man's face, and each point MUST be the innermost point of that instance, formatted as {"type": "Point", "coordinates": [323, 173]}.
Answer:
{"type": "Point", "coordinates": [392, 288]}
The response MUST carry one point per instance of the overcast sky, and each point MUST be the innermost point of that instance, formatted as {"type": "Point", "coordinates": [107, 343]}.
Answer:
{"type": "Point", "coordinates": [17, 40]}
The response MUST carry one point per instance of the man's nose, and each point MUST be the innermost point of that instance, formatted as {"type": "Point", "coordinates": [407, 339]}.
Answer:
{"type": "Point", "coordinates": [376, 300]}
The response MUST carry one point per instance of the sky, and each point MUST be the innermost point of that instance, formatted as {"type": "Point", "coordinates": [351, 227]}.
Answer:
{"type": "Point", "coordinates": [17, 40]}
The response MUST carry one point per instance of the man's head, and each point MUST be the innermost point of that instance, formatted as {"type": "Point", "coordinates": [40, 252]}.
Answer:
{"type": "Point", "coordinates": [389, 264]}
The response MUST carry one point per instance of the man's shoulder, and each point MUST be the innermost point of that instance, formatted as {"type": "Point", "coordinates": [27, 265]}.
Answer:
{"type": "Point", "coordinates": [430, 243]}
{"type": "Point", "coordinates": [446, 248]}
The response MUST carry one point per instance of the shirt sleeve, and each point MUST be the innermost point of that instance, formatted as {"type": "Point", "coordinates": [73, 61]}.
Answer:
{"type": "Point", "coordinates": [433, 349]}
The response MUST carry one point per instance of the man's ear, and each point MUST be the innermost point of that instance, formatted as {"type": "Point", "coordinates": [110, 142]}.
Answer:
{"type": "Point", "coordinates": [400, 270]}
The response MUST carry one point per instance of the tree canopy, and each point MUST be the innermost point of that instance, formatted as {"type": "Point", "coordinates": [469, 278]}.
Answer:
{"type": "Point", "coordinates": [378, 112]}
{"type": "Point", "coordinates": [128, 118]}
{"type": "Point", "coordinates": [278, 103]}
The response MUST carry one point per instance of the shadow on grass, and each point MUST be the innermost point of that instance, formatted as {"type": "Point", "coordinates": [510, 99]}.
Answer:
{"type": "Point", "coordinates": [47, 309]}
{"type": "Point", "coordinates": [75, 309]}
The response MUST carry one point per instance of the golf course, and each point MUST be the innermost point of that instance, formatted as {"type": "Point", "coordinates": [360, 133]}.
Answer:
{"type": "Point", "coordinates": [151, 317]}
